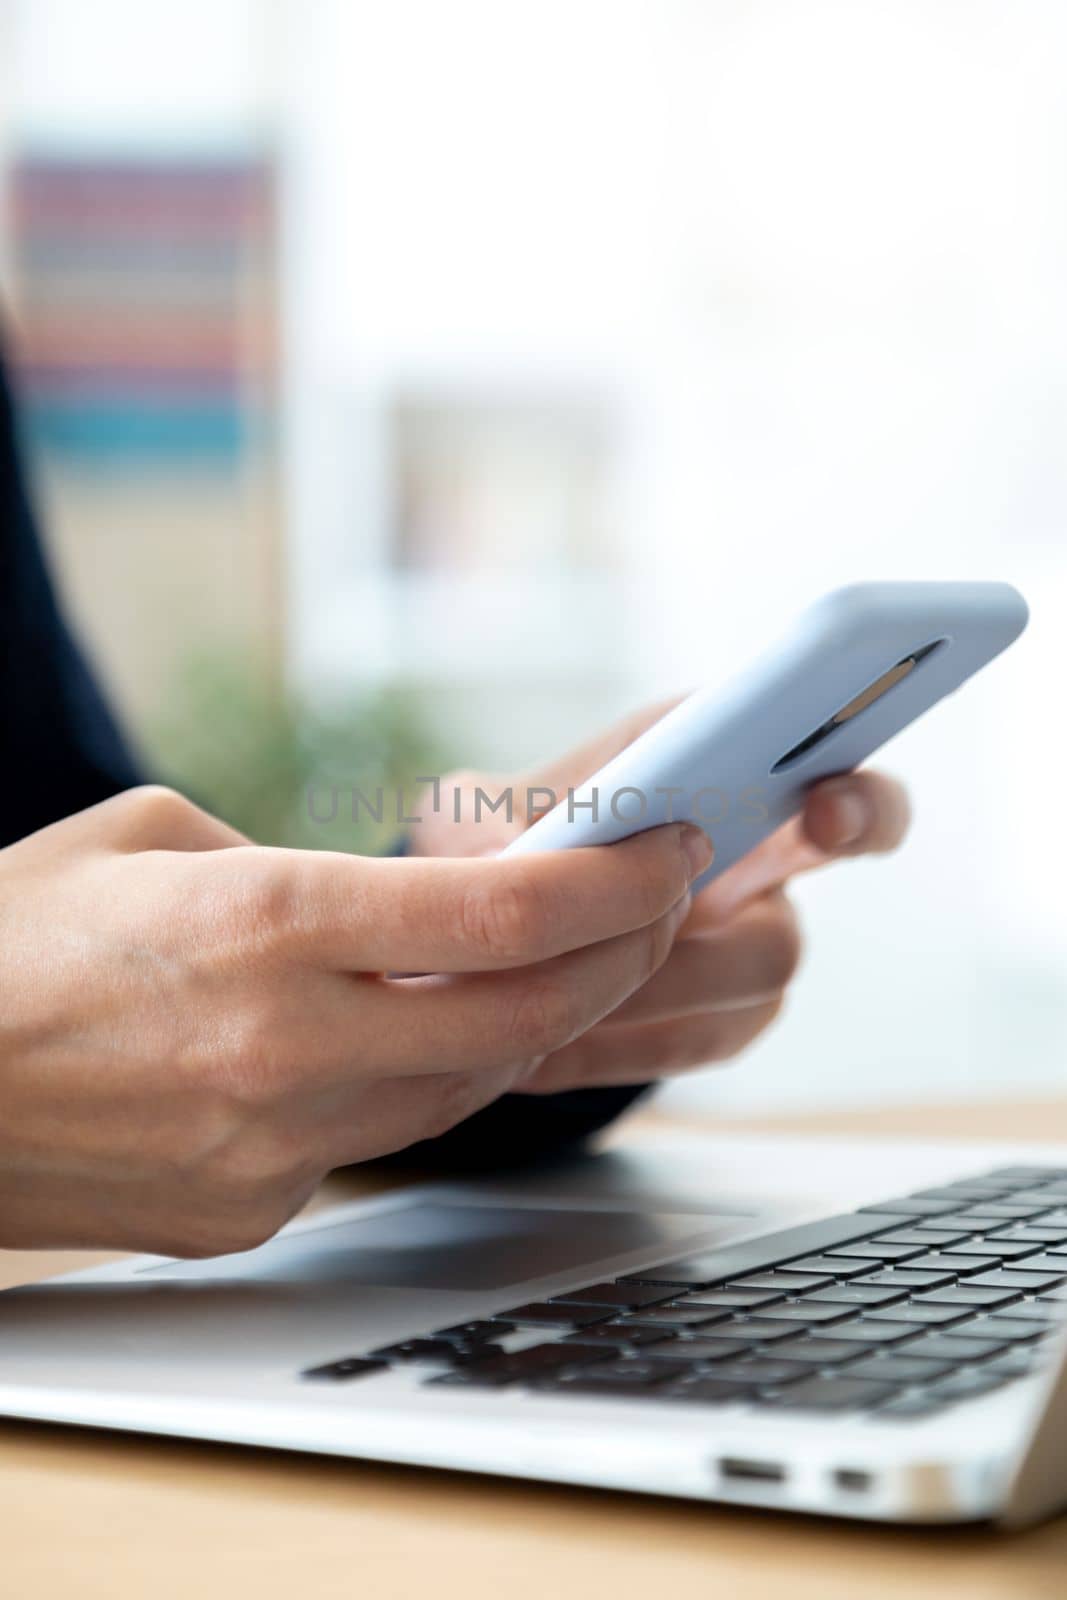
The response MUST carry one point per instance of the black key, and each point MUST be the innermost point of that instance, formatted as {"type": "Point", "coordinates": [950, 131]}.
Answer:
{"type": "Point", "coordinates": [807, 1314]}
{"type": "Point", "coordinates": [347, 1367]}
{"type": "Point", "coordinates": [614, 1333]}
{"type": "Point", "coordinates": [837, 1266]}
{"type": "Point", "coordinates": [818, 1352]}
{"type": "Point", "coordinates": [1005, 1326]}
{"type": "Point", "coordinates": [961, 1266]}
{"type": "Point", "coordinates": [541, 1357]}
{"type": "Point", "coordinates": [881, 1250]}
{"type": "Point", "coordinates": [1035, 1233]}
{"type": "Point", "coordinates": [985, 1220]}
{"type": "Point", "coordinates": [949, 1346]}
{"type": "Point", "coordinates": [732, 1299]}
{"type": "Point", "coordinates": [480, 1350]}
{"type": "Point", "coordinates": [788, 1282]}
{"type": "Point", "coordinates": [905, 1278]}
{"type": "Point", "coordinates": [757, 1330]}
{"type": "Point", "coordinates": [831, 1394]}
{"type": "Point", "coordinates": [699, 1350]}
{"type": "Point", "coordinates": [770, 1250]}
{"type": "Point", "coordinates": [968, 1294]}
{"type": "Point", "coordinates": [710, 1313]}
{"type": "Point", "coordinates": [540, 1314]}
{"type": "Point", "coordinates": [758, 1371]}
{"type": "Point", "coordinates": [433, 1350]}
{"type": "Point", "coordinates": [468, 1332]}
{"type": "Point", "coordinates": [932, 1237]}
{"type": "Point", "coordinates": [1030, 1311]}
{"type": "Point", "coordinates": [855, 1294]}
{"type": "Point", "coordinates": [968, 1385]}
{"type": "Point", "coordinates": [675, 1316]}
{"type": "Point", "coordinates": [472, 1377]}
{"type": "Point", "coordinates": [1027, 1174]}
{"type": "Point", "coordinates": [899, 1369]}
{"type": "Point", "coordinates": [634, 1374]}
{"type": "Point", "coordinates": [1023, 1205]}
{"type": "Point", "coordinates": [1003, 1249]}
{"type": "Point", "coordinates": [921, 1314]}
{"type": "Point", "coordinates": [1017, 1278]}
{"type": "Point", "coordinates": [744, 1333]}
{"type": "Point", "coordinates": [909, 1206]}
{"type": "Point", "coordinates": [706, 1391]}
{"type": "Point", "coordinates": [869, 1332]}
{"type": "Point", "coordinates": [933, 1225]}
{"type": "Point", "coordinates": [620, 1296]}
{"type": "Point", "coordinates": [1014, 1363]}
{"type": "Point", "coordinates": [521, 1365]}
{"type": "Point", "coordinates": [962, 1191]}
{"type": "Point", "coordinates": [1045, 1262]}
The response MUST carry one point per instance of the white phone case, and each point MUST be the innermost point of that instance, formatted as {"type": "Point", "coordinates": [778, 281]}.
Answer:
{"type": "Point", "coordinates": [738, 760]}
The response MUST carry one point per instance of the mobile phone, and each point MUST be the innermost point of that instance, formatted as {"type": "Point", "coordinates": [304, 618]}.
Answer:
{"type": "Point", "coordinates": [859, 666]}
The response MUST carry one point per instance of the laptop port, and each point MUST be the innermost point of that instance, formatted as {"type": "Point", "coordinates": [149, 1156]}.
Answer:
{"type": "Point", "coordinates": [852, 1479]}
{"type": "Point", "coordinates": [742, 1468]}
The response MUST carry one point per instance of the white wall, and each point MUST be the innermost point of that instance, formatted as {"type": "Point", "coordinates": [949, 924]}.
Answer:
{"type": "Point", "coordinates": [822, 251]}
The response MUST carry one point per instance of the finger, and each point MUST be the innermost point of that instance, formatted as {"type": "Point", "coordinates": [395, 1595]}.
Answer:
{"type": "Point", "coordinates": [747, 962]}
{"type": "Point", "coordinates": [857, 814]}
{"type": "Point", "coordinates": [323, 1033]}
{"type": "Point", "coordinates": [646, 1051]}
{"type": "Point", "coordinates": [457, 1023]}
{"type": "Point", "coordinates": [460, 915]}
{"type": "Point", "coordinates": [865, 813]}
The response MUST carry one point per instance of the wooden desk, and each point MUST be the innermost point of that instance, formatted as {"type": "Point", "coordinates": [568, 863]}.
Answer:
{"type": "Point", "coordinates": [107, 1517]}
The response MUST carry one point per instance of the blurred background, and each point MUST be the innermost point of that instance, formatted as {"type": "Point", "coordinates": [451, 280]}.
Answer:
{"type": "Point", "coordinates": [419, 384]}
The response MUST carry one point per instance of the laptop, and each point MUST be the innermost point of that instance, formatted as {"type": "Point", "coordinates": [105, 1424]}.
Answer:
{"type": "Point", "coordinates": [865, 1329]}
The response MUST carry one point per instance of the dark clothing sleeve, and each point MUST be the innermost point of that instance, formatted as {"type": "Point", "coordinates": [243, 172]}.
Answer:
{"type": "Point", "coordinates": [61, 750]}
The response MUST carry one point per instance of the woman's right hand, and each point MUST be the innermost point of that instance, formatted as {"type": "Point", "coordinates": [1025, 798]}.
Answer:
{"type": "Point", "coordinates": [196, 1029]}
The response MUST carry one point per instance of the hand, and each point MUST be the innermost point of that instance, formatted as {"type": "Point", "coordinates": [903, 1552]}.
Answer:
{"type": "Point", "coordinates": [195, 1029]}
{"type": "Point", "coordinates": [725, 980]}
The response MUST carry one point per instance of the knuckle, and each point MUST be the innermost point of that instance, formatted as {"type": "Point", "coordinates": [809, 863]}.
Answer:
{"type": "Point", "coordinates": [158, 798]}
{"type": "Point", "coordinates": [262, 900]}
{"type": "Point", "coordinates": [660, 881]}
{"type": "Point", "coordinates": [656, 944]}
{"type": "Point", "coordinates": [504, 918]}
{"type": "Point", "coordinates": [543, 1018]}
{"type": "Point", "coordinates": [253, 1066]}
{"type": "Point", "coordinates": [457, 1096]}
{"type": "Point", "coordinates": [153, 808]}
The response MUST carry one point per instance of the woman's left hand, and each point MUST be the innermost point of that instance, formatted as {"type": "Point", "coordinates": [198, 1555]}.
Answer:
{"type": "Point", "coordinates": [734, 956]}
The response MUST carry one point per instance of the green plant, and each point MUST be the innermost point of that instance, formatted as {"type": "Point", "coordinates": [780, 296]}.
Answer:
{"type": "Point", "coordinates": [282, 768]}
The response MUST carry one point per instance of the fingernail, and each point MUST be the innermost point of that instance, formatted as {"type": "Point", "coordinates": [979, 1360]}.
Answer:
{"type": "Point", "coordinates": [852, 818]}
{"type": "Point", "coordinates": [698, 848]}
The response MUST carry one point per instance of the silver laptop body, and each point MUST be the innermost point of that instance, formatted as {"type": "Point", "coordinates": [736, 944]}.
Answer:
{"type": "Point", "coordinates": [277, 1346]}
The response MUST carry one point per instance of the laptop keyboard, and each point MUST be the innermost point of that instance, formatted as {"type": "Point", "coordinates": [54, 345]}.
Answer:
{"type": "Point", "coordinates": [899, 1309]}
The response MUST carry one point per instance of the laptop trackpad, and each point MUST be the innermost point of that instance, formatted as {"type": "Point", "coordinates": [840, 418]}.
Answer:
{"type": "Point", "coordinates": [445, 1245]}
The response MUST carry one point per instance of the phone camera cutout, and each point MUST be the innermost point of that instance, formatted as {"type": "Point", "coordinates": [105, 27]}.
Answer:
{"type": "Point", "coordinates": [860, 702]}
